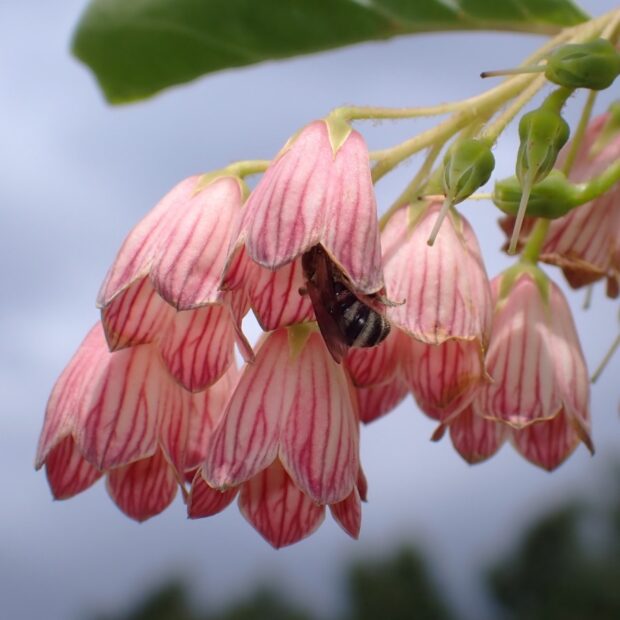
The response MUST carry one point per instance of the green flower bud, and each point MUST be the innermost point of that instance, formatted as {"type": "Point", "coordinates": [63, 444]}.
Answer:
{"type": "Point", "coordinates": [553, 197]}
{"type": "Point", "coordinates": [594, 65]}
{"type": "Point", "coordinates": [466, 166]}
{"type": "Point", "coordinates": [543, 132]}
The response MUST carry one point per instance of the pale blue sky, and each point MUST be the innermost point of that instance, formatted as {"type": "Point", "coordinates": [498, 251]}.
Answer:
{"type": "Point", "coordinates": [77, 174]}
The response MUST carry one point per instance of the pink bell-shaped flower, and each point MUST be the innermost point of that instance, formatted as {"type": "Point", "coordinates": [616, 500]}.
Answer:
{"type": "Point", "coordinates": [275, 506]}
{"type": "Point", "coordinates": [446, 311]}
{"type": "Point", "coordinates": [295, 404]}
{"type": "Point", "coordinates": [164, 284]}
{"type": "Point", "coordinates": [122, 414]}
{"type": "Point", "coordinates": [317, 191]}
{"type": "Point", "coordinates": [540, 386]}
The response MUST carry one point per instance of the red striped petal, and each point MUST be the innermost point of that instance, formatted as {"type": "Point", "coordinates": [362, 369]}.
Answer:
{"type": "Point", "coordinates": [135, 257]}
{"type": "Point", "coordinates": [377, 400]}
{"type": "Point", "coordinates": [121, 407]}
{"type": "Point", "coordinates": [136, 316]}
{"type": "Point", "coordinates": [198, 346]}
{"type": "Point", "coordinates": [247, 437]}
{"type": "Point", "coordinates": [374, 365]}
{"type": "Point", "coordinates": [193, 247]}
{"type": "Point", "coordinates": [445, 378]}
{"type": "Point", "coordinates": [276, 299]}
{"type": "Point", "coordinates": [68, 472]}
{"type": "Point", "coordinates": [534, 358]}
{"type": "Point", "coordinates": [205, 501]}
{"type": "Point", "coordinates": [351, 232]}
{"type": "Point", "coordinates": [187, 420]}
{"type": "Point", "coordinates": [311, 194]}
{"type": "Point", "coordinates": [143, 489]}
{"type": "Point", "coordinates": [447, 293]}
{"type": "Point", "coordinates": [348, 514]}
{"type": "Point", "coordinates": [285, 214]}
{"type": "Point", "coordinates": [280, 512]}
{"type": "Point", "coordinates": [71, 390]}
{"type": "Point", "coordinates": [320, 435]}
{"type": "Point", "coordinates": [548, 443]}
{"type": "Point", "coordinates": [475, 438]}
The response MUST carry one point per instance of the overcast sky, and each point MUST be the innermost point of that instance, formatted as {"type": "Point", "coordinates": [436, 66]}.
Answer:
{"type": "Point", "coordinates": [77, 174]}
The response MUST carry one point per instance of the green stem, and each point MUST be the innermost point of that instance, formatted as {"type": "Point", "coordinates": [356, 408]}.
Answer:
{"type": "Point", "coordinates": [493, 130]}
{"type": "Point", "coordinates": [353, 113]}
{"type": "Point", "coordinates": [479, 106]}
{"type": "Point", "coordinates": [248, 167]}
{"type": "Point", "coordinates": [414, 187]}
{"type": "Point", "coordinates": [600, 184]}
{"type": "Point", "coordinates": [535, 242]}
{"type": "Point", "coordinates": [584, 119]}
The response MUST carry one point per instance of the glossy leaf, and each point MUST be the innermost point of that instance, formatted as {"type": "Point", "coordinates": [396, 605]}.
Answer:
{"type": "Point", "coordinates": [136, 48]}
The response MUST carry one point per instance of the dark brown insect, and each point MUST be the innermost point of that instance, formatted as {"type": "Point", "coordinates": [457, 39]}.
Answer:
{"type": "Point", "coordinates": [345, 318]}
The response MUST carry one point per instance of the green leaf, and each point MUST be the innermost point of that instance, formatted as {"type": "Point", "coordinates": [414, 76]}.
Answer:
{"type": "Point", "coordinates": [139, 47]}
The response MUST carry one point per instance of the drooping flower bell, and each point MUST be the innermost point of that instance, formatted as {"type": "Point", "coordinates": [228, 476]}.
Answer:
{"type": "Point", "coordinates": [317, 192]}
{"type": "Point", "coordinates": [446, 312]}
{"type": "Point", "coordinates": [271, 501]}
{"type": "Point", "coordinates": [164, 286]}
{"type": "Point", "coordinates": [122, 414]}
{"type": "Point", "coordinates": [294, 404]}
{"type": "Point", "coordinates": [540, 383]}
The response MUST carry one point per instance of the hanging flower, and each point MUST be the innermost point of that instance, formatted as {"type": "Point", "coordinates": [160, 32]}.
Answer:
{"type": "Point", "coordinates": [294, 403]}
{"type": "Point", "coordinates": [446, 311]}
{"type": "Point", "coordinates": [317, 191]}
{"type": "Point", "coordinates": [540, 386]}
{"type": "Point", "coordinates": [122, 415]}
{"type": "Point", "coordinates": [164, 284]}
{"type": "Point", "coordinates": [276, 507]}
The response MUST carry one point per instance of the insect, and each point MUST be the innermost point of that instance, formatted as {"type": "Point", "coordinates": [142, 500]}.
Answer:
{"type": "Point", "coordinates": [345, 318]}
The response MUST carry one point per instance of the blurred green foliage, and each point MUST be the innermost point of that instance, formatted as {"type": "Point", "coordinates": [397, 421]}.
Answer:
{"type": "Point", "coordinates": [566, 566]}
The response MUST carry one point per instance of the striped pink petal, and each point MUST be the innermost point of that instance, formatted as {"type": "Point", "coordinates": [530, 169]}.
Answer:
{"type": "Point", "coordinates": [65, 404]}
{"type": "Point", "coordinates": [143, 489]}
{"type": "Point", "coordinates": [311, 194]}
{"type": "Point", "coordinates": [582, 243]}
{"type": "Point", "coordinates": [476, 438]}
{"type": "Point", "coordinates": [295, 406]}
{"type": "Point", "coordinates": [534, 357]}
{"type": "Point", "coordinates": [377, 400]}
{"type": "Point", "coordinates": [276, 299]}
{"type": "Point", "coordinates": [198, 346]}
{"type": "Point", "coordinates": [280, 512]}
{"type": "Point", "coordinates": [348, 514]}
{"type": "Point", "coordinates": [320, 432]}
{"type": "Point", "coordinates": [206, 410]}
{"type": "Point", "coordinates": [135, 316]}
{"type": "Point", "coordinates": [444, 378]}
{"type": "Point", "coordinates": [119, 410]}
{"type": "Point", "coordinates": [247, 437]}
{"type": "Point", "coordinates": [68, 472]}
{"type": "Point", "coordinates": [351, 232]}
{"type": "Point", "coordinates": [187, 269]}
{"type": "Point", "coordinates": [135, 257]}
{"type": "Point", "coordinates": [445, 286]}
{"type": "Point", "coordinates": [548, 444]}
{"type": "Point", "coordinates": [205, 501]}
{"type": "Point", "coordinates": [374, 365]}
{"type": "Point", "coordinates": [187, 421]}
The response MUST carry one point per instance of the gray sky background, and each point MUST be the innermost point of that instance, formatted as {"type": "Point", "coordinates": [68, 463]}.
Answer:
{"type": "Point", "coordinates": [77, 174]}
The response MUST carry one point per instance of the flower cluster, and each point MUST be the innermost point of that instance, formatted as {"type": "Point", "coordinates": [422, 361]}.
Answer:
{"type": "Point", "coordinates": [353, 321]}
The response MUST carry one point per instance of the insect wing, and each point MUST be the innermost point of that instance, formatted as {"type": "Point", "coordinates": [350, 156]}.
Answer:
{"type": "Point", "coordinates": [320, 287]}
